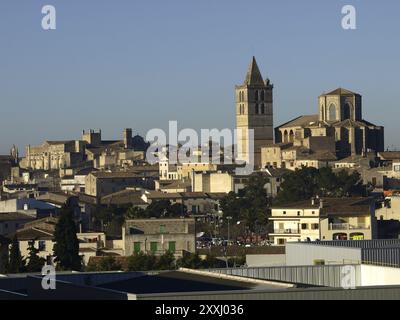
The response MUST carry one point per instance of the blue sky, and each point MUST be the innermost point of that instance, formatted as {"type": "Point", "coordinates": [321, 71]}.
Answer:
{"type": "Point", "coordinates": [127, 63]}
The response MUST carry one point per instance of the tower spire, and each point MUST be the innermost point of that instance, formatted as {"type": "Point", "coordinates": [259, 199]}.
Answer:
{"type": "Point", "coordinates": [253, 76]}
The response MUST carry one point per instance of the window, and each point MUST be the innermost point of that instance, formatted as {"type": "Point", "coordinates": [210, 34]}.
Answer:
{"type": "Point", "coordinates": [262, 95]}
{"type": "Point", "coordinates": [256, 95]}
{"type": "Point", "coordinates": [162, 228]}
{"type": "Point", "coordinates": [396, 168]}
{"type": "Point", "coordinates": [314, 226]}
{"type": "Point", "coordinates": [153, 247]}
{"type": "Point", "coordinates": [347, 111]}
{"type": "Point", "coordinates": [281, 242]}
{"type": "Point", "coordinates": [136, 247]}
{"type": "Point", "coordinates": [42, 245]}
{"type": "Point", "coordinates": [357, 236]}
{"type": "Point", "coordinates": [257, 109]}
{"type": "Point", "coordinates": [332, 112]}
{"type": "Point", "coordinates": [172, 246]}
{"type": "Point", "coordinates": [263, 108]}
{"type": "Point", "coordinates": [298, 213]}
{"type": "Point", "coordinates": [304, 226]}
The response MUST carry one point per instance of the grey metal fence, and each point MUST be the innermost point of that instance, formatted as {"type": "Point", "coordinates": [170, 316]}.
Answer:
{"type": "Point", "coordinates": [327, 276]}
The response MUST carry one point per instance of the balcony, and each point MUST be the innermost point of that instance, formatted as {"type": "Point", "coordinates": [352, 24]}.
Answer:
{"type": "Point", "coordinates": [286, 231]}
{"type": "Point", "coordinates": [348, 226]}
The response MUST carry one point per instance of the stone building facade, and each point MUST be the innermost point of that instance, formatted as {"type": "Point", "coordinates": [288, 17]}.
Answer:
{"type": "Point", "coordinates": [254, 111]}
{"type": "Point", "coordinates": [157, 236]}
{"type": "Point", "coordinates": [53, 155]}
{"type": "Point", "coordinates": [339, 116]}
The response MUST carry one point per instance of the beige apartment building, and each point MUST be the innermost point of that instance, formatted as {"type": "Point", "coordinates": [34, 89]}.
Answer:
{"type": "Point", "coordinates": [324, 219]}
{"type": "Point", "coordinates": [41, 233]}
{"type": "Point", "coordinates": [292, 157]}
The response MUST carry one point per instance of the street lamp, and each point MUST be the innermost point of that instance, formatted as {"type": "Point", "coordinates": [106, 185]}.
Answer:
{"type": "Point", "coordinates": [229, 218]}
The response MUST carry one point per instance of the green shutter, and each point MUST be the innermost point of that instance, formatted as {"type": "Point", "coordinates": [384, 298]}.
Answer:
{"type": "Point", "coordinates": [136, 247]}
{"type": "Point", "coordinates": [153, 247]}
{"type": "Point", "coordinates": [172, 246]}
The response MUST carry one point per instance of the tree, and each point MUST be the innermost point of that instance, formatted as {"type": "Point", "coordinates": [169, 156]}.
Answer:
{"type": "Point", "coordinates": [166, 261]}
{"type": "Point", "coordinates": [136, 213]}
{"type": "Point", "coordinates": [16, 263]}
{"type": "Point", "coordinates": [307, 182]}
{"type": "Point", "coordinates": [177, 210]}
{"type": "Point", "coordinates": [35, 263]}
{"type": "Point", "coordinates": [250, 205]}
{"type": "Point", "coordinates": [191, 261]}
{"type": "Point", "coordinates": [105, 264]}
{"type": "Point", "coordinates": [142, 262]}
{"type": "Point", "coordinates": [66, 248]}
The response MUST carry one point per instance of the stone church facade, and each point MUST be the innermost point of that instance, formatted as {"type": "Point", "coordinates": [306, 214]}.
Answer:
{"type": "Point", "coordinates": [339, 119]}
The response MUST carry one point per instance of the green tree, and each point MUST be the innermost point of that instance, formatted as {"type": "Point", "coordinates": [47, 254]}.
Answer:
{"type": "Point", "coordinates": [159, 209]}
{"type": "Point", "coordinates": [307, 182]}
{"type": "Point", "coordinates": [166, 261]}
{"type": "Point", "coordinates": [191, 261]}
{"type": "Point", "coordinates": [104, 264]}
{"type": "Point", "coordinates": [35, 263]}
{"type": "Point", "coordinates": [66, 248]}
{"type": "Point", "coordinates": [177, 210]}
{"type": "Point", "coordinates": [142, 262]}
{"type": "Point", "coordinates": [16, 263]}
{"type": "Point", "coordinates": [250, 205]}
{"type": "Point", "coordinates": [136, 213]}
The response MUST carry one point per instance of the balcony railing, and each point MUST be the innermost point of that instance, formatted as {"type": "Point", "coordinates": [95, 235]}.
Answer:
{"type": "Point", "coordinates": [286, 231]}
{"type": "Point", "coordinates": [348, 226]}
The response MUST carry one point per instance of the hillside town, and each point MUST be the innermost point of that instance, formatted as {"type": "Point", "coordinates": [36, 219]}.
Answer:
{"type": "Point", "coordinates": [319, 182]}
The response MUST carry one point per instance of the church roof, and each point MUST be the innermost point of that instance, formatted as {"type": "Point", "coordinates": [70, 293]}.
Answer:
{"type": "Point", "coordinates": [341, 92]}
{"type": "Point", "coordinates": [253, 76]}
{"type": "Point", "coordinates": [301, 121]}
{"type": "Point", "coordinates": [351, 123]}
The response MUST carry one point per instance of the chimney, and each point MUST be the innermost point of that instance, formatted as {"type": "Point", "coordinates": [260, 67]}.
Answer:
{"type": "Point", "coordinates": [321, 203]}
{"type": "Point", "coordinates": [312, 201]}
{"type": "Point", "coordinates": [128, 138]}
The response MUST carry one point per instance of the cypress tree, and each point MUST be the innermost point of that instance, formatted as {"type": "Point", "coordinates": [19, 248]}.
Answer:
{"type": "Point", "coordinates": [16, 263]}
{"type": "Point", "coordinates": [35, 263]}
{"type": "Point", "coordinates": [66, 247]}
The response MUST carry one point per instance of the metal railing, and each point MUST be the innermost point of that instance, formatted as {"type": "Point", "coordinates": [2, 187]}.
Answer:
{"type": "Point", "coordinates": [287, 231]}
{"type": "Point", "coordinates": [348, 226]}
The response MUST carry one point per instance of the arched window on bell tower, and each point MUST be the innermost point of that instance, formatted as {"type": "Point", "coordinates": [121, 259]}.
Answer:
{"type": "Point", "coordinates": [347, 111]}
{"type": "Point", "coordinates": [332, 112]}
{"type": "Point", "coordinates": [256, 97]}
{"type": "Point", "coordinates": [257, 109]}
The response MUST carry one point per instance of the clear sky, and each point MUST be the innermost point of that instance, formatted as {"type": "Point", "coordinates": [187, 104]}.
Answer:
{"type": "Point", "coordinates": [127, 63]}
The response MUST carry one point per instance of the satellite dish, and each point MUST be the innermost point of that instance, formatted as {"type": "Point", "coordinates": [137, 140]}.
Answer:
{"type": "Point", "coordinates": [200, 234]}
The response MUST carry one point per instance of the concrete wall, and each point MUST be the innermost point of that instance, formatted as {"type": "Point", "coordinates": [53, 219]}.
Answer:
{"type": "Point", "coordinates": [265, 260]}
{"type": "Point", "coordinates": [379, 276]}
{"type": "Point", "coordinates": [302, 254]}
